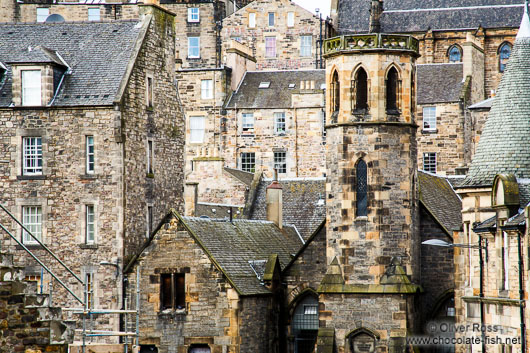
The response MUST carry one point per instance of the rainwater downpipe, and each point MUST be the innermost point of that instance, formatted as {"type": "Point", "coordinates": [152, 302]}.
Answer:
{"type": "Point", "coordinates": [521, 293]}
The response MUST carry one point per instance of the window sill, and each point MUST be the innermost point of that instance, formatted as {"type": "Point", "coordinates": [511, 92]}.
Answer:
{"type": "Point", "coordinates": [193, 22]}
{"type": "Point", "coordinates": [193, 58]}
{"type": "Point", "coordinates": [30, 247]}
{"type": "Point", "coordinates": [247, 135]}
{"type": "Point", "coordinates": [88, 246]}
{"type": "Point", "coordinates": [361, 218]}
{"type": "Point", "coordinates": [433, 131]}
{"type": "Point", "coordinates": [31, 177]}
{"type": "Point", "coordinates": [150, 175]}
{"type": "Point", "coordinates": [171, 312]}
{"type": "Point", "coordinates": [88, 176]}
{"type": "Point", "coordinates": [280, 133]}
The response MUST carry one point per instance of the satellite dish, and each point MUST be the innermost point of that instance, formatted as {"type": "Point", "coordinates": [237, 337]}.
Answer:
{"type": "Point", "coordinates": [55, 18]}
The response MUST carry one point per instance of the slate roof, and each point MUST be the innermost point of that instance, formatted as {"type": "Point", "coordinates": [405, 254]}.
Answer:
{"type": "Point", "coordinates": [486, 226]}
{"type": "Point", "coordinates": [213, 210]}
{"type": "Point", "coordinates": [278, 95]}
{"type": "Point", "coordinates": [482, 105]}
{"type": "Point", "coordinates": [245, 177]}
{"type": "Point", "coordinates": [439, 198]}
{"type": "Point", "coordinates": [38, 54]}
{"type": "Point", "coordinates": [233, 244]}
{"type": "Point", "coordinates": [439, 83]}
{"type": "Point", "coordinates": [421, 15]}
{"type": "Point", "coordinates": [504, 143]}
{"type": "Point", "coordinates": [97, 52]}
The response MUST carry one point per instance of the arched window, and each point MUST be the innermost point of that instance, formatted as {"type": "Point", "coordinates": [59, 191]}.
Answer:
{"type": "Point", "coordinates": [392, 91]}
{"type": "Point", "coordinates": [362, 340]}
{"type": "Point", "coordinates": [505, 50]}
{"type": "Point", "coordinates": [360, 92]}
{"type": "Point", "coordinates": [455, 54]}
{"type": "Point", "coordinates": [305, 325]}
{"type": "Point", "coordinates": [361, 189]}
{"type": "Point", "coordinates": [335, 93]}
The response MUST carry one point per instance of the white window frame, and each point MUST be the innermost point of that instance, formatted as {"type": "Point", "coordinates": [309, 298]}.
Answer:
{"type": "Point", "coordinates": [429, 118]}
{"type": "Point", "coordinates": [247, 123]}
{"type": "Point", "coordinates": [42, 13]}
{"type": "Point", "coordinates": [280, 161]}
{"type": "Point", "coordinates": [248, 161]}
{"type": "Point", "coordinates": [271, 15]}
{"type": "Point", "coordinates": [90, 155]}
{"type": "Point", "coordinates": [93, 15]}
{"type": "Point", "coordinates": [194, 15]}
{"type": "Point", "coordinates": [269, 48]}
{"type": "Point", "coordinates": [90, 224]}
{"type": "Point", "coordinates": [305, 47]}
{"type": "Point", "coordinates": [290, 19]}
{"type": "Point", "coordinates": [206, 89]}
{"type": "Point", "coordinates": [251, 20]}
{"type": "Point", "coordinates": [32, 155]}
{"type": "Point", "coordinates": [197, 128]}
{"type": "Point", "coordinates": [32, 220]}
{"type": "Point", "coordinates": [429, 161]}
{"type": "Point", "coordinates": [194, 47]}
{"type": "Point", "coordinates": [279, 123]}
{"type": "Point", "coordinates": [31, 87]}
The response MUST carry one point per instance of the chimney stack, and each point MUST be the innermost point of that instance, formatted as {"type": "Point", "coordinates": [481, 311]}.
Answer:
{"type": "Point", "coordinates": [376, 9]}
{"type": "Point", "coordinates": [190, 198]}
{"type": "Point", "coordinates": [274, 201]}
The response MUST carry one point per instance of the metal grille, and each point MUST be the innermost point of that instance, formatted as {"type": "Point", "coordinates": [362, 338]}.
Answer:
{"type": "Point", "coordinates": [361, 189]}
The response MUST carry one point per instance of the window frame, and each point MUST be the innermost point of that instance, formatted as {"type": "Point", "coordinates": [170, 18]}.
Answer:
{"type": "Point", "coordinates": [150, 156]}
{"type": "Point", "coordinates": [248, 161]}
{"type": "Point", "coordinates": [177, 291]}
{"type": "Point", "coordinates": [251, 20]}
{"type": "Point", "coordinates": [431, 119]}
{"type": "Point", "coordinates": [431, 160]}
{"type": "Point", "coordinates": [149, 220]}
{"type": "Point", "coordinates": [192, 128]}
{"type": "Point", "coordinates": [192, 47]}
{"type": "Point", "coordinates": [270, 46]}
{"type": "Point", "coordinates": [92, 17]}
{"type": "Point", "coordinates": [361, 191]}
{"type": "Point", "coordinates": [90, 225]}
{"type": "Point", "coordinates": [280, 161]}
{"type": "Point", "coordinates": [306, 49]}
{"type": "Point", "coordinates": [149, 90]}
{"type": "Point", "coordinates": [271, 19]}
{"type": "Point", "coordinates": [207, 89]}
{"type": "Point", "coordinates": [32, 158]}
{"type": "Point", "coordinates": [89, 284]}
{"type": "Point", "coordinates": [502, 64]}
{"type": "Point", "coordinates": [247, 123]}
{"type": "Point", "coordinates": [36, 221]}
{"type": "Point", "coordinates": [35, 99]}
{"type": "Point", "coordinates": [279, 121]}
{"type": "Point", "coordinates": [90, 155]}
{"type": "Point", "coordinates": [191, 15]}
{"type": "Point", "coordinates": [451, 53]}
{"type": "Point", "coordinates": [40, 18]}
{"type": "Point", "coordinates": [290, 19]}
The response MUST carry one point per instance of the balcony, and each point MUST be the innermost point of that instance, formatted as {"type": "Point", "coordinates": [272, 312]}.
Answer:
{"type": "Point", "coordinates": [368, 42]}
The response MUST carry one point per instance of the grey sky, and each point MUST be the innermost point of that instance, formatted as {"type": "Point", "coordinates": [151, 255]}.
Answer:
{"type": "Point", "coordinates": [311, 5]}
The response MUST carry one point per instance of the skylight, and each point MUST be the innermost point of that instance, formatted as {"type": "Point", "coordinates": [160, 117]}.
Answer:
{"type": "Point", "coordinates": [292, 85]}
{"type": "Point", "coordinates": [264, 84]}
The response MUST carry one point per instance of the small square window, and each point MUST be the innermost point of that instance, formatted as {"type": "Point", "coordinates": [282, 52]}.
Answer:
{"type": "Point", "coordinates": [194, 47]}
{"type": "Point", "coordinates": [42, 14]}
{"type": "Point", "coordinates": [279, 123]}
{"type": "Point", "coordinates": [193, 14]}
{"type": "Point", "coordinates": [270, 47]}
{"type": "Point", "coordinates": [248, 162]}
{"type": "Point", "coordinates": [252, 20]}
{"type": "Point", "coordinates": [429, 118]}
{"type": "Point", "coordinates": [290, 19]}
{"type": "Point", "coordinates": [206, 89]}
{"type": "Point", "coordinates": [280, 161]}
{"type": "Point", "coordinates": [90, 155]}
{"type": "Point", "coordinates": [429, 162]}
{"type": "Point", "coordinates": [306, 45]}
{"type": "Point", "coordinates": [248, 123]}
{"type": "Point", "coordinates": [31, 88]}
{"type": "Point", "coordinates": [32, 220]}
{"type": "Point", "coordinates": [271, 19]}
{"type": "Point", "coordinates": [32, 156]}
{"type": "Point", "coordinates": [94, 14]}
{"type": "Point", "coordinates": [197, 125]}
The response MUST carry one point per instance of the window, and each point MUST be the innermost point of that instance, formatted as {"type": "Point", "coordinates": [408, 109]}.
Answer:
{"type": "Point", "coordinates": [455, 54]}
{"type": "Point", "coordinates": [149, 92]}
{"type": "Point", "coordinates": [149, 220]}
{"type": "Point", "coordinates": [90, 224]}
{"type": "Point", "coordinates": [335, 93]}
{"type": "Point", "coordinates": [150, 157]}
{"type": "Point", "coordinates": [359, 91]}
{"type": "Point", "coordinates": [90, 155]}
{"type": "Point", "coordinates": [93, 14]}
{"type": "Point", "coordinates": [199, 348]}
{"type": "Point", "coordinates": [279, 123]}
{"type": "Point", "coordinates": [206, 89]}
{"type": "Point", "coordinates": [31, 87]}
{"type": "Point", "coordinates": [429, 118]}
{"type": "Point", "coordinates": [280, 161]}
{"type": "Point", "coordinates": [197, 129]}
{"type": "Point", "coordinates": [290, 19]}
{"type": "Point", "coordinates": [323, 117]}
{"type": "Point", "coordinates": [505, 261]}
{"type": "Point", "coordinates": [270, 47]}
{"type": "Point", "coordinates": [172, 291]}
{"type": "Point", "coordinates": [32, 220]}
{"type": "Point", "coordinates": [248, 123]}
{"type": "Point", "coordinates": [237, 39]}
{"type": "Point", "coordinates": [32, 155]}
{"type": "Point", "coordinates": [505, 50]}
{"type": "Point", "coordinates": [305, 324]}
{"type": "Point", "coordinates": [42, 14]}
{"type": "Point", "coordinates": [305, 45]}
{"type": "Point", "coordinates": [194, 47]}
{"type": "Point", "coordinates": [89, 285]}
{"type": "Point", "coordinates": [248, 162]}
{"type": "Point", "coordinates": [193, 14]}
{"type": "Point", "coordinates": [361, 189]}
{"type": "Point", "coordinates": [392, 91]}
{"type": "Point", "coordinates": [271, 19]}
{"type": "Point", "coordinates": [429, 162]}
{"type": "Point", "coordinates": [252, 20]}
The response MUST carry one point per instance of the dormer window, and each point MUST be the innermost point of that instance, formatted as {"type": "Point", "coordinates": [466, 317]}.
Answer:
{"type": "Point", "coordinates": [31, 88]}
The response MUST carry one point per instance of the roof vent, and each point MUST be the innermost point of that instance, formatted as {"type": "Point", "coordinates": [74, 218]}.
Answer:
{"type": "Point", "coordinates": [292, 85]}
{"type": "Point", "coordinates": [55, 18]}
{"type": "Point", "coordinates": [264, 84]}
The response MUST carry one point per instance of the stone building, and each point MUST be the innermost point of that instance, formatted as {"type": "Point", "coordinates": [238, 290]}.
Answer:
{"type": "Point", "coordinates": [490, 271]}
{"type": "Point", "coordinates": [92, 140]}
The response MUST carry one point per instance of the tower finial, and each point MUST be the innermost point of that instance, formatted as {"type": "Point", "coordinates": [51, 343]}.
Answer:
{"type": "Point", "coordinates": [524, 29]}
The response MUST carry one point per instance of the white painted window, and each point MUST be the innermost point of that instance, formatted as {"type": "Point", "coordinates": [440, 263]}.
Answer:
{"type": "Point", "coordinates": [32, 155]}
{"type": "Point", "coordinates": [248, 123]}
{"type": "Point", "coordinates": [193, 14]}
{"type": "Point", "coordinates": [194, 50]}
{"type": "Point", "coordinates": [271, 19]}
{"type": "Point", "coordinates": [197, 129]}
{"type": "Point", "coordinates": [42, 14]}
{"type": "Point", "coordinates": [252, 20]}
{"type": "Point", "coordinates": [32, 220]}
{"type": "Point", "coordinates": [290, 19]}
{"type": "Point", "coordinates": [90, 224]}
{"type": "Point", "coordinates": [31, 87]}
{"type": "Point", "coordinates": [248, 161]}
{"type": "Point", "coordinates": [429, 162]}
{"type": "Point", "coordinates": [280, 161]}
{"type": "Point", "coordinates": [94, 14]}
{"type": "Point", "coordinates": [270, 47]}
{"type": "Point", "coordinates": [306, 43]}
{"type": "Point", "coordinates": [90, 155]}
{"type": "Point", "coordinates": [279, 123]}
{"type": "Point", "coordinates": [206, 89]}
{"type": "Point", "coordinates": [429, 118]}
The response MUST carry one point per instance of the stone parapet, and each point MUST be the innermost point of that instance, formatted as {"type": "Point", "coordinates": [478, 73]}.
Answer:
{"type": "Point", "coordinates": [372, 41]}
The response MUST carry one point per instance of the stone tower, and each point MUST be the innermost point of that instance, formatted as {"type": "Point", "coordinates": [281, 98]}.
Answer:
{"type": "Point", "coordinates": [367, 298]}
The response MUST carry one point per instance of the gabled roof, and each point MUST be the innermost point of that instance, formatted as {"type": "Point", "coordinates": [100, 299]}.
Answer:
{"type": "Point", "coordinates": [439, 83]}
{"type": "Point", "coordinates": [439, 198]}
{"type": "Point", "coordinates": [422, 15]}
{"type": "Point", "coordinates": [38, 54]}
{"type": "Point", "coordinates": [245, 177]}
{"type": "Point", "coordinates": [97, 52]}
{"type": "Point", "coordinates": [278, 94]}
{"type": "Point", "coordinates": [482, 105]}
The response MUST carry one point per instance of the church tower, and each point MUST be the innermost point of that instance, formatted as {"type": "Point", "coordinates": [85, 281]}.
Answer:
{"type": "Point", "coordinates": [367, 298]}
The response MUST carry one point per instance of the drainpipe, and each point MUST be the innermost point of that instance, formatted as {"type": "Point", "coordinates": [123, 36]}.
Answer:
{"type": "Point", "coordinates": [481, 294]}
{"type": "Point", "coordinates": [521, 294]}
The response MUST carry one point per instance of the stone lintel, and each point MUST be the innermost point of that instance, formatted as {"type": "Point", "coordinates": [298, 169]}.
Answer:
{"type": "Point", "coordinates": [494, 300]}
{"type": "Point", "coordinates": [370, 288]}
{"type": "Point", "coordinates": [208, 159]}
{"type": "Point", "coordinates": [367, 123]}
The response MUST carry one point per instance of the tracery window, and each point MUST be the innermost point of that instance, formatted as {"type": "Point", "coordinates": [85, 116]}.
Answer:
{"type": "Point", "coordinates": [505, 50]}
{"type": "Point", "coordinates": [361, 189]}
{"type": "Point", "coordinates": [455, 54]}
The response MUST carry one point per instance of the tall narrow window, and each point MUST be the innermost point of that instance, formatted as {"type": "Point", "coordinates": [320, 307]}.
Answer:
{"type": "Point", "coordinates": [150, 157]}
{"type": "Point", "coordinates": [90, 225]}
{"type": "Point", "coordinates": [280, 161]}
{"type": "Point", "coordinates": [304, 324]}
{"type": "Point", "coordinates": [31, 87]}
{"type": "Point", "coordinates": [505, 50]}
{"type": "Point", "coordinates": [361, 189]}
{"type": "Point", "coordinates": [248, 162]}
{"type": "Point", "coordinates": [252, 20]}
{"type": "Point", "coordinates": [89, 279]}
{"type": "Point", "coordinates": [32, 220]}
{"type": "Point", "coordinates": [290, 19]}
{"type": "Point", "coordinates": [505, 261]}
{"type": "Point", "coordinates": [32, 155]}
{"type": "Point", "coordinates": [279, 123]}
{"type": "Point", "coordinates": [360, 91]}
{"type": "Point", "coordinates": [149, 93]}
{"type": "Point", "coordinates": [306, 45]}
{"type": "Point", "coordinates": [94, 14]}
{"type": "Point", "coordinates": [247, 124]}
{"type": "Point", "coordinates": [90, 155]}
{"type": "Point", "coordinates": [271, 19]}
{"type": "Point", "coordinates": [206, 89]}
{"type": "Point", "coordinates": [194, 46]}
{"type": "Point", "coordinates": [392, 91]}
{"type": "Point", "coordinates": [193, 14]}
{"type": "Point", "coordinates": [455, 54]}
{"type": "Point", "coordinates": [429, 118]}
{"type": "Point", "coordinates": [335, 93]}
{"type": "Point", "coordinates": [197, 129]}
{"type": "Point", "coordinates": [270, 47]}
{"type": "Point", "coordinates": [149, 220]}
{"type": "Point", "coordinates": [42, 14]}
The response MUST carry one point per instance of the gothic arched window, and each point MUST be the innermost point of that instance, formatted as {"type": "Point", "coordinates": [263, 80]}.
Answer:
{"type": "Point", "coordinates": [455, 54]}
{"type": "Point", "coordinates": [361, 189]}
{"type": "Point", "coordinates": [335, 93]}
{"type": "Point", "coordinates": [360, 91]}
{"type": "Point", "coordinates": [304, 324]}
{"type": "Point", "coordinates": [392, 91]}
{"type": "Point", "coordinates": [505, 50]}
